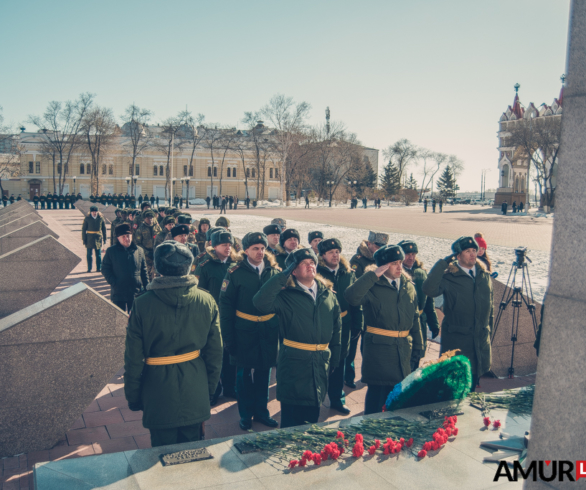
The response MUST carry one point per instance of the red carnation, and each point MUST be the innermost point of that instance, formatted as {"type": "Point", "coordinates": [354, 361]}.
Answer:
{"type": "Point", "coordinates": [324, 456]}
{"type": "Point", "coordinates": [303, 462]}
{"type": "Point", "coordinates": [371, 450]}
{"type": "Point", "coordinates": [386, 450]}
{"type": "Point", "coordinates": [340, 435]}
{"type": "Point", "coordinates": [409, 443]}
{"type": "Point", "coordinates": [384, 409]}
{"type": "Point", "coordinates": [449, 431]}
{"type": "Point", "coordinates": [377, 443]}
{"type": "Point", "coordinates": [316, 459]}
{"type": "Point", "coordinates": [496, 424]}
{"type": "Point", "coordinates": [293, 463]}
{"type": "Point", "coordinates": [335, 454]}
{"type": "Point", "coordinates": [357, 450]}
{"type": "Point", "coordinates": [486, 421]}
{"type": "Point", "coordinates": [359, 438]}
{"type": "Point", "coordinates": [346, 442]}
{"type": "Point", "coordinates": [455, 431]}
{"type": "Point", "coordinates": [422, 453]}
{"type": "Point", "coordinates": [342, 450]}
{"type": "Point", "coordinates": [307, 454]}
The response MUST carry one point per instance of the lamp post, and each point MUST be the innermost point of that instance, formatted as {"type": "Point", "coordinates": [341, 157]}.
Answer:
{"type": "Point", "coordinates": [134, 178]}
{"type": "Point", "coordinates": [127, 185]}
{"type": "Point", "coordinates": [172, 199]}
{"type": "Point", "coordinates": [74, 178]}
{"type": "Point", "coordinates": [187, 179]}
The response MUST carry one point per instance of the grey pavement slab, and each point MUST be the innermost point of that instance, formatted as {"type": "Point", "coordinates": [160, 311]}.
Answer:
{"type": "Point", "coordinates": [457, 466]}
{"type": "Point", "coordinates": [558, 429]}
{"type": "Point", "coordinates": [25, 235]}
{"type": "Point", "coordinates": [19, 222]}
{"type": "Point", "coordinates": [55, 357]}
{"type": "Point", "coordinates": [30, 273]}
{"type": "Point", "coordinates": [16, 206]}
{"type": "Point", "coordinates": [11, 216]}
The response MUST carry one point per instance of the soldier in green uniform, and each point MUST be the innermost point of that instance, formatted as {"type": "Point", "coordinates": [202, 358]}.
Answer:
{"type": "Point", "coordinates": [93, 236]}
{"type": "Point", "coordinates": [207, 244]}
{"type": "Point", "coordinates": [200, 237]}
{"type": "Point", "coordinates": [313, 238]}
{"type": "Point", "coordinates": [466, 286]}
{"type": "Point", "coordinates": [92, 198]}
{"type": "Point", "coordinates": [426, 306]}
{"type": "Point", "coordinates": [61, 200]}
{"type": "Point", "coordinates": [185, 219]}
{"type": "Point", "coordinates": [36, 201]}
{"type": "Point", "coordinates": [43, 201]}
{"type": "Point", "coordinates": [288, 243]}
{"type": "Point", "coordinates": [210, 272]}
{"type": "Point", "coordinates": [49, 200]}
{"type": "Point", "coordinates": [173, 351]}
{"type": "Point", "coordinates": [273, 233]}
{"type": "Point", "coordinates": [179, 233]}
{"type": "Point", "coordinates": [250, 338]}
{"type": "Point", "coordinates": [145, 236]}
{"type": "Point", "coordinates": [359, 262]}
{"type": "Point", "coordinates": [335, 268]}
{"type": "Point", "coordinates": [67, 200]}
{"type": "Point", "coordinates": [165, 234]}
{"type": "Point", "coordinates": [310, 333]}
{"type": "Point", "coordinates": [114, 224]}
{"type": "Point", "coordinates": [389, 300]}
{"type": "Point", "coordinates": [225, 223]}
{"type": "Point", "coordinates": [139, 216]}
{"type": "Point", "coordinates": [162, 215]}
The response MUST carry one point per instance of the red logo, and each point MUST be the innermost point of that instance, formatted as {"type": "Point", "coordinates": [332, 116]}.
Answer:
{"type": "Point", "coordinates": [580, 469]}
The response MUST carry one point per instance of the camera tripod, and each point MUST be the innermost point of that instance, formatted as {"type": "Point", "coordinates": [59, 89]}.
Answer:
{"type": "Point", "coordinates": [516, 295]}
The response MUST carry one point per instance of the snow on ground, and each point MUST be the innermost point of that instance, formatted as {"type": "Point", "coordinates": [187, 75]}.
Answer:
{"type": "Point", "coordinates": [431, 249]}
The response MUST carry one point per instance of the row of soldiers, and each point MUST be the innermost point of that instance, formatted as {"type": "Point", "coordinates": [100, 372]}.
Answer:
{"type": "Point", "coordinates": [55, 201]}
{"type": "Point", "coordinates": [224, 318]}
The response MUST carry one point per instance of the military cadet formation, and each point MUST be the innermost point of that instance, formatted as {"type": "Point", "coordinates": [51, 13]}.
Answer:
{"type": "Point", "coordinates": [212, 315]}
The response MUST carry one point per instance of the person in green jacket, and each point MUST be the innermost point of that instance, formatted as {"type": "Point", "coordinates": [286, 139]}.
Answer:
{"type": "Point", "coordinates": [210, 273]}
{"type": "Point", "coordinates": [288, 242]}
{"type": "Point", "coordinates": [426, 306]}
{"type": "Point", "coordinates": [360, 261]}
{"type": "Point", "coordinates": [173, 352]}
{"type": "Point", "coordinates": [93, 236]}
{"type": "Point", "coordinates": [336, 268]}
{"type": "Point", "coordinates": [273, 233]}
{"type": "Point", "coordinates": [200, 236]}
{"type": "Point", "coordinates": [180, 234]}
{"type": "Point", "coordinates": [250, 338]}
{"type": "Point", "coordinates": [310, 334]}
{"type": "Point", "coordinates": [165, 233]}
{"type": "Point", "coordinates": [389, 300]}
{"type": "Point", "coordinates": [118, 221]}
{"type": "Point", "coordinates": [466, 286]}
{"type": "Point", "coordinates": [145, 236]}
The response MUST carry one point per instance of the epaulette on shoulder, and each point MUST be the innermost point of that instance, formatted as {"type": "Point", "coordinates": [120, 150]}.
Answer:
{"type": "Point", "coordinates": [201, 264]}
{"type": "Point", "coordinates": [200, 255]}
{"type": "Point", "coordinates": [358, 257]}
{"type": "Point", "coordinates": [233, 268]}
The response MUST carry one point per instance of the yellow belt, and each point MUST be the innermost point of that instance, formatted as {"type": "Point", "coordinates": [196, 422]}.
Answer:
{"type": "Point", "coordinates": [95, 232]}
{"type": "Point", "coordinates": [343, 314]}
{"type": "Point", "coordinates": [253, 318]}
{"type": "Point", "coordinates": [299, 345]}
{"type": "Point", "coordinates": [161, 361]}
{"type": "Point", "coordinates": [387, 333]}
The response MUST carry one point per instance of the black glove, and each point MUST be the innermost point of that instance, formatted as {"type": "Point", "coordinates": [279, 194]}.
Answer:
{"type": "Point", "coordinates": [289, 270]}
{"type": "Point", "coordinates": [232, 349]}
{"type": "Point", "coordinates": [135, 406]}
{"type": "Point", "coordinates": [450, 258]}
{"type": "Point", "coordinates": [416, 356]}
{"type": "Point", "coordinates": [355, 334]}
{"type": "Point", "coordinates": [434, 333]}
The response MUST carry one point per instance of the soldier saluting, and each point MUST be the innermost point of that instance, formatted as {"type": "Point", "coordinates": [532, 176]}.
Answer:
{"type": "Point", "coordinates": [250, 338]}
{"type": "Point", "coordinates": [310, 332]}
{"type": "Point", "coordinates": [389, 300]}
{"type": "Point", "coordinates": [173, 351]}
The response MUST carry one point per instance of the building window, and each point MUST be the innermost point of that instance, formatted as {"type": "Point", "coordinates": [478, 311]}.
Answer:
{"type": "Point", "coordinates": [270, 173]}
{"type": "Point", "coordinates": [31, 167]}
{"type": "Point", "coordinates": [103, 169]}
{"type": "Point", "coordinates": [233, 172]}
{"type": "Point", "coordinates": [129, 169]}
{"type": "Point", "coordinates": [137, 170]}
{"type": "Point", "coordinates": [191, 170]}
{"type": "Point", "coordinates": [66, 168]}
{"type": "Point", "coordinates": [247, 172]}
{"type": "Point", "coordinates": [276, 173]}
{"type": "Point", "coordinates": [38, 167]}
{"type": "Point", "coordinates": [184, 170]}
{"type": "Point", "coordinates": [161, 171]}
{"type": "Point", "coordinates": [253, 173]}
{"type": "Point", "coordinates": [209, 171]}
{"type": "Point", "coordinates": [111, 170]}
{"type": "Point", "coordinates": [81, 169]}
{"type": "Point", "coordinates": [155, 168]}
{"type": "Point", "coordinates": [228, 172]}
{"type": "Point", "coordinates": [59, 168]}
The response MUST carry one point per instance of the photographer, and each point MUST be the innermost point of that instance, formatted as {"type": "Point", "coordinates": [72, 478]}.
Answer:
{"type": "Point", "coordinates": [466, 286]}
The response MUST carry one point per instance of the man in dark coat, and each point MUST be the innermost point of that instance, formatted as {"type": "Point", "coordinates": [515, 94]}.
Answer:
{"type": "Point", "coordinates": [426, 306]}
{"type": "Point", "coordinates": [223, 205]}
{"type": "Point", "coordinates": [441, 205]}
{"type": "Point", "coordinates": [433, 203]}
{"type": "Point", "coordinates": [392, 324]}
{"type": "Point", "coordinates": [288, 243]}
{"type": "Point", "coordinates": [93, 236]}
{"type": "Point", "coordinates": [173, 351]}
{"type": "Point", "coordinates": [310, 333]}
{"type": "Point", "coordinates": [124, 269]}
{"type": "Point", "coordinates": [210, 273]}
{"type": "Point", "coordinates": [306, 201]}
{"type": "Point", "coordinates": [208, 201]}
{"type": "Point", "coordinates": [42, 199]}
{"type": "Point", "coordinates": [250, 338]}
{"type": "Point", "coordinates": [336, 269]}
{"type": "Point", "coordinates": [230, 201]}
{"type": "Point", "coordinates": [152, 200]}
{"type": "Point", "coordinates": [466, 286]}
{"type": "Point", "coordinates": [36, 201]}
{"type": "Point", "coordinates": [200, 236]}
{"type": "Point", "coordinates": [425, 205]}
{"type": "Point", "coordinates": [247, 200]}
{"type": "Point", "coordinates": [504, 206]}
{"type": "Point", "coordinates": [61, 200]}
{"type": "Point", "coordinates": [363, 258]}
{"type": "Point", "coordinates": [11, 198]}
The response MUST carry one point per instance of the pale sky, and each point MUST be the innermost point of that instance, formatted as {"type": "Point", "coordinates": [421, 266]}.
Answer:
{"type": "Point", "coordinates": [439, 73]}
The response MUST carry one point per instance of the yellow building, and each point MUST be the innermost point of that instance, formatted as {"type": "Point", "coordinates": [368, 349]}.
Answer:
{"type": "Point", "coordinates": [38, 174]}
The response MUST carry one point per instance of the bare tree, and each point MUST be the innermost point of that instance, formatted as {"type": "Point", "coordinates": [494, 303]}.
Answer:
{"type": "Point", "coordinates": [241, 147]}
{"type": "Point", "coordinates": [403, 153]}
{"type": "Point", "coordinates": [10, 151]}
{"type": "Point", "coordinates": [62, 125]}
{"type": "Point", "coordinates": [137, 136]}
{"type": "Point", "coordinates": [227, 143]}
{"type": "Point", "coordinates": [100, 131]}
{"type": "Point", "coordinates": [432, 162]}
{"type": "Point", "coordinates": [261, 144]}
{"type": "Point", "coordinates": [539, 142]}
{"type": "Point", "coordinates": [168, 143]}
{"type": "Point", "coordinates": [193, 135]}
{"type": "Point", "coordinates": [212, 140]}
{"type": "Point", "coordinates": [288, 118]}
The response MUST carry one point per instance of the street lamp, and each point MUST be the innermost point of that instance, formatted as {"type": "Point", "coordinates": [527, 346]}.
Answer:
{"type": "Point", "coordinates": [74, 177]}
{"type": "Point", "coordinates": [187, 179]}
{"type": "Point", "coordinates": [172, 198]}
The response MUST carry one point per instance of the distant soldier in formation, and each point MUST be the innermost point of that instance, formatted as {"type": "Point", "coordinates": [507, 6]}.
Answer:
{"type": "Point", "coordinates": [36, 200]}
{"type": "Point", "coordinates": [230, 202]}
{"type": "Point", "coordinates": [433, 203]}
{"type": "Point", "coordinates": [223, 205]}
{"type": "Point", "coordinates": [152, 200]}
{"type": "Point", "coordinates": [235, 202]}
{"type": "Point", "coordinates": [250, 338]}
{"type": "Point", "coordinates": [93, 235]}
{"type": "Point", "coordinates": [173, 355]}
{"type": "Point", "coordinates": [310, 335]}
{"type": "Point", "coordinates": [313, 238]}
{"type": "Point", "coordinates": [145, 236]}
{"type": "Point", "coordinates": [208, 200]}
{"type": "Point", "coordinates": [42, 199]}
{"type": "Point", "coordinates": [11, 198]}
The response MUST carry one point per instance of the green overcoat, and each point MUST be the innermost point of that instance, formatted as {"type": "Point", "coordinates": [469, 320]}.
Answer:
{"type": "Point", "coordinates": [468, 311]}
{"type": "Point", "coordinates": [386, 360]}
{"type": "Point", "coordinates": [173, 318]}
{"type": "Point", "coordinates": [93, 231]}
{"type": "Point", "coordinates": [425, 304]}
{"type": "Point", "coordinates": [251, 344]}
{"type": "Point", "coordinates": [362, 259]}
{"type": "Point", "coordinates": [302, 375]}
{"type": "Point", "coordinates": [211, 271]}
{"type": "Point", "coordinates": [145, 237]}
{"type": "Point", "coordinates": [352, 321]}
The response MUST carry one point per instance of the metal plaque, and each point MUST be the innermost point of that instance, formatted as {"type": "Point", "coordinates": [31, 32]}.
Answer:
{"type": "Point", "coordinates": [187, 456]}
